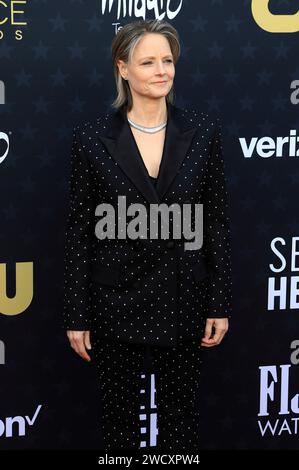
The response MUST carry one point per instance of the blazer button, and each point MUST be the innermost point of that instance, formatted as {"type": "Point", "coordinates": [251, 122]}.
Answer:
{"type": "Point", "coordinates": [170, 244]}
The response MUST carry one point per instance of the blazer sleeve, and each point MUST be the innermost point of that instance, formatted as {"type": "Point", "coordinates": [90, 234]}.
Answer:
{"type": "Point", "coordinates": [216, 230]}
{"type": "Point", "coordinates": [78, 238]}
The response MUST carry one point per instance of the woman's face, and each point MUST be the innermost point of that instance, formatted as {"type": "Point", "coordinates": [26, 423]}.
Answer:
{"type": "Point", "coordinates": [152, 62]}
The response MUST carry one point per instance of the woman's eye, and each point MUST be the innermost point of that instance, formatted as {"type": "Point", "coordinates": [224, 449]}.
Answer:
{"type": "Point", "coordinates": [146, 63]}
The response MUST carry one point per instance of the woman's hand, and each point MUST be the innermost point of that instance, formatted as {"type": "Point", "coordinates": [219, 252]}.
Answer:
{"type": "Point", "coordinates": [80, 341]}
{"type": "Point", "coordinates": [220, 325]}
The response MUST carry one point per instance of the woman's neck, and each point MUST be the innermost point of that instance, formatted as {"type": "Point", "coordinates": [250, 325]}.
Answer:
{"type": "Point", "coordinates": [148, 115]}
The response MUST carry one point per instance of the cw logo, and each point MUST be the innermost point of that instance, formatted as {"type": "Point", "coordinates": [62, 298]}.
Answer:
{"type": "Point", "coordinates": [273, 23]}
{"type": "Point", "coordinates": [24, 289]}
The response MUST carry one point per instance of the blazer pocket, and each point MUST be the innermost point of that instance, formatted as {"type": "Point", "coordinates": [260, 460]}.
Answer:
{"type": "Point", "coordinates": [105, 275]}
{"type": "Point", "coordinates": [200, 270]}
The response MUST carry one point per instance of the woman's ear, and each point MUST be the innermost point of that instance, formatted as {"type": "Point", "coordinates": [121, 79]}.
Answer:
{"type": "Point", "coordinates": [122, 68]}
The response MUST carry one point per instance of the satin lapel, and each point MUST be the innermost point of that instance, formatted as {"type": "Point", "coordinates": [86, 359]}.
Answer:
{"type": "Point", "coordinates": [121, 145]}
{"type": "Point", "coordinates": [179, 134]}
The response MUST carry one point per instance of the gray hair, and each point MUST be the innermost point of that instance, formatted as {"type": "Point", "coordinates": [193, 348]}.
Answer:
{"type": "Point", "coordinates": [123, 46]}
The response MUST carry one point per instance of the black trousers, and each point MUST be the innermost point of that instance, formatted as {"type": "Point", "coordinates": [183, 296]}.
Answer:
{"type": "Point", "coordinates": [125, 372]}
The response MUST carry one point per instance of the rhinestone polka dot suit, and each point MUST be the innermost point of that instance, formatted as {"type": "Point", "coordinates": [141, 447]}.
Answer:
{"type": "Point", "coordinates": [147, 296]}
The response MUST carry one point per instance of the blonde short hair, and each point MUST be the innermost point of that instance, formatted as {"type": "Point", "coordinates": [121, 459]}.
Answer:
{"type": "Point", "coordinates": [123, 46]}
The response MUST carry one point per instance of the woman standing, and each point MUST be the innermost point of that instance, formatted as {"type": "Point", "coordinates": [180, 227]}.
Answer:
{"type": "Point", "coordinates": [150, 303]}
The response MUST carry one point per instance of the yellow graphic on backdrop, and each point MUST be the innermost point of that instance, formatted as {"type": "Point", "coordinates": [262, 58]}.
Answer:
{"type": "Point", "coordinates": [273, 23]}
{"type": "Point", "coordinates": [24, 289]}
{"type": "Point", "coordinates": [12, 15]}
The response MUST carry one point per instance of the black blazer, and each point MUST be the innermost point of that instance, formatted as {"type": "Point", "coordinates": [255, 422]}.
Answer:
{"type": "Point", "coordinates": [147, 290]}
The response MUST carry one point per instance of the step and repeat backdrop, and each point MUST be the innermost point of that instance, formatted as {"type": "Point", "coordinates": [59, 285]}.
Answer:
{"type": "Point", "coordinates": [239, 61]}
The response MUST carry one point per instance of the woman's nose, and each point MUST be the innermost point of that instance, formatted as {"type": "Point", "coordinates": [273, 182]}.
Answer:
{"type": "Point", "coordinates": [161, 67]}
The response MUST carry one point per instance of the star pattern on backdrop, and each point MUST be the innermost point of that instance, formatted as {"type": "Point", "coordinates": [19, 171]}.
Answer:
{"type": "Point", "coordinates": [60, 75]}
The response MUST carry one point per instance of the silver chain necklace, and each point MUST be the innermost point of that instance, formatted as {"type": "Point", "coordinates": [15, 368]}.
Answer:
{"type": "Point", "coordinates": [148, 130]}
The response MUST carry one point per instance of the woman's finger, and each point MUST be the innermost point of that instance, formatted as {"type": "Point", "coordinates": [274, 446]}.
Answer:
{"type": "Point", "coordinates": [87, 340]}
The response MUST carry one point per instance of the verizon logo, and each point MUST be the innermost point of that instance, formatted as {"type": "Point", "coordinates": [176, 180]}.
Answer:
{"type": "Point", "coordinates": [17, 425]}
{"type": "Point", "coordinates": [267, 146]}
